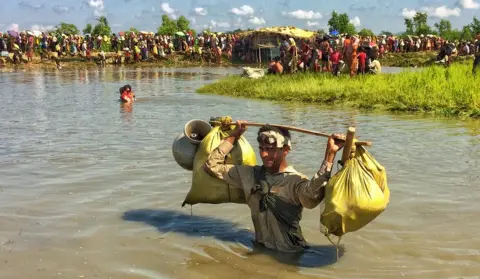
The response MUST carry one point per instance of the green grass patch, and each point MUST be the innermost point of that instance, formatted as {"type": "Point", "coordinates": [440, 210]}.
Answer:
{"type": "Point", "coordinates": [452, 92]}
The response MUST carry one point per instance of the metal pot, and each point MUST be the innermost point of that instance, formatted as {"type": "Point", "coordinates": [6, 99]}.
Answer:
{"type": "Point", "coordinates": [185, 144]}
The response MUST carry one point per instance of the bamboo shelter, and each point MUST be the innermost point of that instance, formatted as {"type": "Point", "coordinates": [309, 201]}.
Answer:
{"type": "Point", "coordinates": [265, 42]}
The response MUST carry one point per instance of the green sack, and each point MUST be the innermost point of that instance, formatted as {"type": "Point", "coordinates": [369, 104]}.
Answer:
{"type": "Point", "coordinates": [208, 189]}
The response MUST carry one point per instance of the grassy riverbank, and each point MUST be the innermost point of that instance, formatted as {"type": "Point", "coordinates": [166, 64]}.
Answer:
{"type": "Point", "coordinates": [452, 91]}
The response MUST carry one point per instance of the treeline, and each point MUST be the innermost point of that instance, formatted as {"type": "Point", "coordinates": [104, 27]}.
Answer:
{"type": "Point", "coordinates": [102, 27]}
{"type": "Point", "coordinates": [416, 26]}
{"type": "Point", "coordinates": [341, 23]}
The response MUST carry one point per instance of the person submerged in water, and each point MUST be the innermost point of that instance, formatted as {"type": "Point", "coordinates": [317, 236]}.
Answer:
{"type": "Point", "coordinates": [126, 94]}
{"type": "Point", "coordinates": [276, 193]}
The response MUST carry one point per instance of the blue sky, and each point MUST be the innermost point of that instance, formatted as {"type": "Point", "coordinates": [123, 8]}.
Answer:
{"type": "Point", "coordinates": [224, 15]}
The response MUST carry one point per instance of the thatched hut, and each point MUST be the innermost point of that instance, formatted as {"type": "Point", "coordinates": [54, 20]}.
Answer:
{"type": "Point", "coordinates": [265, 42]}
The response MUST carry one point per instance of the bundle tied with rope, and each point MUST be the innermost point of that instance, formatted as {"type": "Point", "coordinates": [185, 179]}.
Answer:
{"type": "Point", "coordinates": [211, 190]}
{"type": "Point", "coordinates": [355, 195]}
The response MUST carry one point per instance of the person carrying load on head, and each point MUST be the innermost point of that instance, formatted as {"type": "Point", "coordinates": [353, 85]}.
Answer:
{"type": "Point", "coordinates": [275, 192]}
{"type": "Point", "coordinates": [126, 94]}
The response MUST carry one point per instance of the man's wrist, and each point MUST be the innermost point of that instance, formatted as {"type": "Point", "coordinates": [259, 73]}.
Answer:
{"type": "Point", "coordinates": [330, 156]}
{"type": "Point", "coordinates": [233, 138]}
{"type": "Point", "coordinates": [325, 169]}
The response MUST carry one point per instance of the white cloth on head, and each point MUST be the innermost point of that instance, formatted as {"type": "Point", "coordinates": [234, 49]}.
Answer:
{"type": "Point", "coordinates": [274, 136]}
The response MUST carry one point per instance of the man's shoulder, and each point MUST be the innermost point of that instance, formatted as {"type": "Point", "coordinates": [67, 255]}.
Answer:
{"type": "Point", "coordinates": [292, 172]}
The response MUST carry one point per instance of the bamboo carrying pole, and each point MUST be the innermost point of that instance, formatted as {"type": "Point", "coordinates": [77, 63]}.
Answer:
{"type": "Point", "coordinates": [305, 131]}
{"type": "Point", "coordinates": [348, 144]}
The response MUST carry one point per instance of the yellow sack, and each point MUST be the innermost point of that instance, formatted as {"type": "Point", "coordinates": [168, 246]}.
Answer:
{"type": "Point", "coordinates": [355, 195]}
{"type": "Point", "coordinates": [208, 189]}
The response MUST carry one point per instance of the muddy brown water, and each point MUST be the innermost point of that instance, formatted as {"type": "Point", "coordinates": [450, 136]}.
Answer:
{"type": "Point", "coordinates": [89, 187]}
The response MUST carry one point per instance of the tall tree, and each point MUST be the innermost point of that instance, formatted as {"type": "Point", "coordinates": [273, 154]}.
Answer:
{"type": "Point", "coordinates": [475, 26]}
{"type": "Point", "coordinates": [409, 25]}
{"type": "Point", "coordinates": [88, 29]}
{"type": "Point", "coordinates": [67, 28]}
{"type": "Point", "coordinates": [102, 27]}
{"type": "Point", "coordinates": [420, 24]}
{"type": "Point", "coordinates": [183, 24]}
{"type": "Point", "coordinates": [466, 33]}
{"type": "Point", "coordinates": [366, 32]}
{"type": "Point", "coordinates": [444, 28]}
{"type": "Point", "coordinates": [341, 23]}
{"type": "Point", "coordinates": [455, 35]}
{"type": "Point", "coordinates": [386, 33]}
{"type": "Point", "coordinates": [168, 27]}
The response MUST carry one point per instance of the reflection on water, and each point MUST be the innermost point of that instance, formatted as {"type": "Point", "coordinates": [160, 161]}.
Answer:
{"type": "Point", "coordinates": [126, 112]}
{"type": "Point", "coordinates": [89, 186]}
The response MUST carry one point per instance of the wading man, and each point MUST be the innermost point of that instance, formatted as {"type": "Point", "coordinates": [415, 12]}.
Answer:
{"type": "Point", "coordinates": [275, 192]}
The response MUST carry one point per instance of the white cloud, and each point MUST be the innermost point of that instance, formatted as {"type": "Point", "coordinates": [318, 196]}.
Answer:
{"type": "Point", "coordinates": [42, 28]}
{"type": "Point", "coordinates": [27, 4]}
{"type": "Point", "coordinates": [257, 21]}
{"type": "Point", "coordinates": [469, 4]}
{"type": "Point", "coordinates": [311, 24]}
{"type": "Point", "coordinates": [14, 27]}
{"type": "Point", "coordinates": [355, 21]}
{"type": "Point", "coordinates": [200, 11]}
{"type": "Point", "coordinates": [301, 14]}
{"type": "Point", "coordinates": [215, 24]}
{"type": "Point", "coordinates": [244, 10]}
{"type": "Point", "coordinates": [407, 13]}
{"type": "Point", "coordinates": [224, 25]}
{"type": "Point", "coordinates": [167, 9]}
{"type": "Point", "coordinates": [442, 11]}
{"type": "Point", "coordinates": [238, 22]}
{"type": "Point", "coordinates": [98, 6]}
{"type": "Point", "coordinates": [61, 9]}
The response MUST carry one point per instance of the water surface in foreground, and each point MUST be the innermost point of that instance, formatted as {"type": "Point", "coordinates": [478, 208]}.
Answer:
{"type": "Point", "coordinates": [89, 187]}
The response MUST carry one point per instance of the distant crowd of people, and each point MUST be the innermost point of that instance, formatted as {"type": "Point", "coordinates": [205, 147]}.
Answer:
{"type": "Point", "coordinates": [131, 46]}
{"type": "Point", "coordinates": [327, 53]}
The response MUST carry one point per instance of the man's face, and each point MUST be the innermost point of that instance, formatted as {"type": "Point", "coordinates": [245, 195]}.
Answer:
{"type": "Point", "coordinates": [271, 156]}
